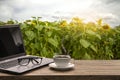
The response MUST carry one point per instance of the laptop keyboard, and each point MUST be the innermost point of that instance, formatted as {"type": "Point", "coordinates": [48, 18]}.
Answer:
{"type": "Point", "coordinates": [9, 64]}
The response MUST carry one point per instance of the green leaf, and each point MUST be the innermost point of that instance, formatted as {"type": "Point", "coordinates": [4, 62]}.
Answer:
{"type": "Point", "coordinates": [49, 33]}
{"type": "Point", "coordinates": [26, 42]}
{"type": "Point", "coordinates": [30, 35]}
{"type": "Point", "coordinates": [90, 32]}
{"type": "Point", "coordinates": [32, 45]}
{"type": "Point", "coordinates": [93, 48]}
{"type": "Point", "coordinates": [36, 45]}
{"type": "Point", "coordinates": [39, 27]}
{"type": "Point", "coordinates": [86, 56]}
{"type": "Point", "coordinates": [97, 35]}
{"type": "Point", "coordinates": [44, 52]}
{"type": "Point", "coordinates": [85, 43]}
{"type": "Point", "coordinates": [24, 26]}
{"type": "Point", "coordinates": [93, 33]}
{"type": "Point", "coordinates": [55, 28]}
{"type": "Point", "coordinates": [53, 42]}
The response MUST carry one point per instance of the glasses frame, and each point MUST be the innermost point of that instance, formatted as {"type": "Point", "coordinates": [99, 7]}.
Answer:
{"type": "Point", "coordinates": [30, 59]}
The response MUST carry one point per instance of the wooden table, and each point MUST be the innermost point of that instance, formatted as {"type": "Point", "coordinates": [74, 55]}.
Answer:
{"type": "Point", "coordinates": [83, 70]}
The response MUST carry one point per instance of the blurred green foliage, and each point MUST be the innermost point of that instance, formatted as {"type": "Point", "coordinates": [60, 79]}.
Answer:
{"type": "Point", "coordinates": [82, 40]}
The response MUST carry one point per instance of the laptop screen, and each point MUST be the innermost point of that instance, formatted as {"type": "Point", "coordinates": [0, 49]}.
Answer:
{"type": "Point", "coordinates": [11, 43]}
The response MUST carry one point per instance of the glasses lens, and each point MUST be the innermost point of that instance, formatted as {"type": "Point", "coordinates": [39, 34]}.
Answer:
{"type": "Point", "coordinates": [37, 61]}
{"type": "Point", "coordinates": [23, 61]}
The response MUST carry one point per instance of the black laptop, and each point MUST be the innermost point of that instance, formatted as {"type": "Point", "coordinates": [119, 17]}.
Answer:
{"type": "Point", "coordinates": [13, 58]}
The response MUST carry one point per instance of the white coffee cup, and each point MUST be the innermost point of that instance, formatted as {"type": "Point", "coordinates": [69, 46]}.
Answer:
{"type": "Point", "coordinates": [62, 60]}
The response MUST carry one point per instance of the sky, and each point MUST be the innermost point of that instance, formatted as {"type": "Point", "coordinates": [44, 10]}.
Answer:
{"type": "Point", "coordinates": [51, 10]}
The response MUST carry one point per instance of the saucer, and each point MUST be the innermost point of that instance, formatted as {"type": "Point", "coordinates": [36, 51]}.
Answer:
{"type": "Point", "coordinates": [54, 66]}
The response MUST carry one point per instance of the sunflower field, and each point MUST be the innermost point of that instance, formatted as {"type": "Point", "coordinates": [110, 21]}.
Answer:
{"type": "Point", "coordinates": [92, 40]}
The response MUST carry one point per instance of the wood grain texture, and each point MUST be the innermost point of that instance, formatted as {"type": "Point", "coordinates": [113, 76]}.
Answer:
{"type": "Point", "coordinates": [87, 69]}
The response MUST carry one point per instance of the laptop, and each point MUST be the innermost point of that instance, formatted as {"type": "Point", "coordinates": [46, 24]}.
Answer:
{"type": "Point", "coordinates": [12, 49]}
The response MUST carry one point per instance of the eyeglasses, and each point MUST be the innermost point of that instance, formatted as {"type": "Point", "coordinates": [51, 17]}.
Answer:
{"type": "Point", "coordinates": [27, 60]}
